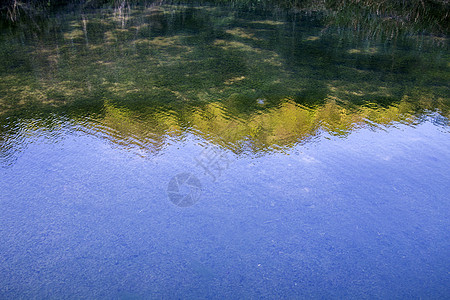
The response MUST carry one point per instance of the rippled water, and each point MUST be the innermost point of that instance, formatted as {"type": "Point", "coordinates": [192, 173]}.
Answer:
{"type": "Point", "coordinates": [207, 152]}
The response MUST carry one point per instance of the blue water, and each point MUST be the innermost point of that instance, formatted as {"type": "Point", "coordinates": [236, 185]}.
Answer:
{"type": "Point", "coordinates": [359, 217]}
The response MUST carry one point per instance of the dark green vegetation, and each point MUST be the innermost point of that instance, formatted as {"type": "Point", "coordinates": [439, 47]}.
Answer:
{"type": "Point", "coordinates": [391, 16]}
{"type": "Point", "coordinates": [150, 71]}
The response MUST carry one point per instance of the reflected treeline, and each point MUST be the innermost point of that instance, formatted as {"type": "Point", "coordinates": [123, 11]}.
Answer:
{"type": "Point", "coordinates": [274, 128]}
{"type": "Point", "coordinates": [144, 75]}
{"type": "Point", "coordinates": [277, 127]}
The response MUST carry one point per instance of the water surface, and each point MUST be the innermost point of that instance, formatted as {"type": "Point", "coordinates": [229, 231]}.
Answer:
{"type": "Point", "coordinates": [318, 158]}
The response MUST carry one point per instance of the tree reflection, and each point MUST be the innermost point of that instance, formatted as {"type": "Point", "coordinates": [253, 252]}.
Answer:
{"type": "Point", "coordinates": [142, 75]}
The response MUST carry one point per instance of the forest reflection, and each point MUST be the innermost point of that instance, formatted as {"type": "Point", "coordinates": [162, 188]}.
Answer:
{"type": "Point", "coordinates": [249, 82]}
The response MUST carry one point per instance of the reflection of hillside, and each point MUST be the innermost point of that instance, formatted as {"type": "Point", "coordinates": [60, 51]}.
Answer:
{"type": "Point", "coordinates": [278, 127]}
{"type": "Point", "coordinates": [168, 69]}
{"type": "Point", "coordinates": [146, 132]}
{"type": "Point", "coordinates": [267, 128]}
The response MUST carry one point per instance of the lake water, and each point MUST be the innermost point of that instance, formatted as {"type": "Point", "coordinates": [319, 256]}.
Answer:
{"type": "Point", "coordinates": [210, 152]}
